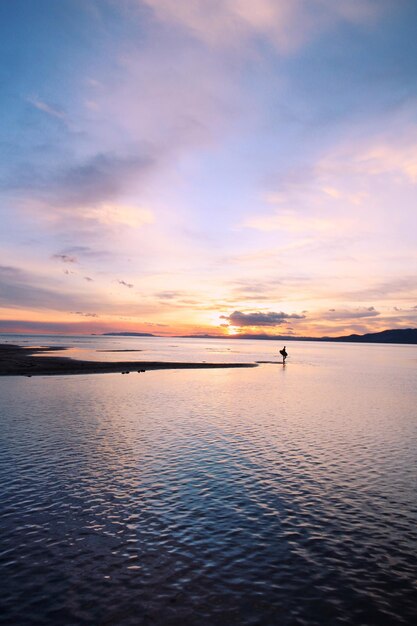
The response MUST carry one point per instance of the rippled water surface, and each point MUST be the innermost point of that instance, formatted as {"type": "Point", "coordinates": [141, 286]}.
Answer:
{"type": "Point", "coordinates": [263, 496]}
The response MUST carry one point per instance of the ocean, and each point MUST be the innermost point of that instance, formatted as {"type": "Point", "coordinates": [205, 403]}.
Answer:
{"type": "Point", "coordinates": [269, 496]}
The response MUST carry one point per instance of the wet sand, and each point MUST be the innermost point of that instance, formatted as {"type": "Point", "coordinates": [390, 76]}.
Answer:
{"type": "Point", "coordinates": [21, 361]}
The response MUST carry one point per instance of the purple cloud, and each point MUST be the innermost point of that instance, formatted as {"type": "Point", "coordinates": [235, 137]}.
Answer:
{"type": "Point", "coordinates": [237, 318]}
{"type": "Point", "coordinates": [350, 314]}
{"type": "Point", "coordinates": [84, 314]}
{"type": "Point", "coordinates": [168, 295]}
{"type": "Point", "coordinates": [65, 258]}
{"type": "Point", "coordinates": [125, 284]}
{"type": "Point", "coordinates": [99, 178]}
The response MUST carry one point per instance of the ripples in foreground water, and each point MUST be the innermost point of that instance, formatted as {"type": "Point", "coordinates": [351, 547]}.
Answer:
{"type": "Point", "coordinates": [262, 496]}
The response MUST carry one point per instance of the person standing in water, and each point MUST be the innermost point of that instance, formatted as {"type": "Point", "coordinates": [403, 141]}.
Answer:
{"type": "Point", "coordinates": [284, 354]}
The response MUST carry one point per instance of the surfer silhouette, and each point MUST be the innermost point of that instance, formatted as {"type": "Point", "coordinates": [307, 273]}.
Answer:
{"type": "Point", "coordinates": [284, 354]}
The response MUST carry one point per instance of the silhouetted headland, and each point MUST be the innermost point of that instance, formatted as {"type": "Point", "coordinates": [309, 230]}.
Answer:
{"type": "Point", "coordinates": [21, 361]}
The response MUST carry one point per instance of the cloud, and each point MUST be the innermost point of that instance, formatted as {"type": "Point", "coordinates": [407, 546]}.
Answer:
{"type": "Point", "coordinates": [89, 182]}
{"type": "Point", "coordinates": [82, 326]}
{"type": "Point", "coordinates": [169, 295]}
{"type": "Point", "coordinates": [86, 251]}
{"type": "Point", "coordinates": [286, 25]}
{"type": "Point", "coordinates": [254, 287]}
{"type": "Point", "coordinates": [412, 309]}
{"type": "Point", "coordinates": [65, 258]}
{"type": "Point", "coordinates": [257, 290]}
{"type": "Point", "coordinates": [89, 324]}
{"type": "Point", "coordinates": [100, 177]}
{"type": "Point", "coordinates": [85, 314]}
{"type": "Point", "coordinates": [125, 284]}
{"type": "Point", "coordinates": [349, 314]}
{"type": "Point", "coordinates": [391, 151]}
{"type": "Point", "coordinates": [292, 222]}
{"type": "Point", "coordinates": [355, 201]}
{"type": "Point", "coordinates": [9, 270]}
{"type": "Point", "coordinates": [109, 214]}
{"type": "Point", "coordinates": [405, 286]}
{"type": "Point", "coordinates": [88, 279]}
{"type": "Point", "coordinates": [19, 288]}
{"type": "Point", "coordinates": [54, 110]}
{"type": "Point", "coordinates": [237, 318]}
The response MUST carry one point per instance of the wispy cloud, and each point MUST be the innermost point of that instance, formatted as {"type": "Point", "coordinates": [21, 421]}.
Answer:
{"type": "Point", "coordinates": [350, 314]}
{"type": "Point", "coordinates": [98, 178]}
{"type": "Point", "coordinates": [89, 182]}
{"type": "Point", "coordinates": [114, 214]}
{"type": "Point", "coordinates": [83, 314]}
{"type": "Point", "coordinates": [125, 284]}
{"type": "Point", "coordinates": [86, 251]}
{"type": "Point", "coordinates": [65, 258]}
{"type": "Point", "coordinates": [52, 110]}
{"type": "Point", "coordinates": [21, 289]}
{"type": "Point", "coordinates": [292, 222]}
{"type": "Point", "coordinates": [390, 289]}
{"type": "Point", "coordinates": [286, 25]}
{"type": "Point", "coordinates": [169, 295]}
{"type": "Point", "coordinates": [388, 153]}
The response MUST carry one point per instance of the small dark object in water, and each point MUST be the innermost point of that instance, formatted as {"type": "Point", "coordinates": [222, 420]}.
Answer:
{"type": "Point", "coordinates": [284, 354]}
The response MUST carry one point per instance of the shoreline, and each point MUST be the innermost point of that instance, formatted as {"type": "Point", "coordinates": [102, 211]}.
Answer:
{"type": "Point", "coordinates": [17, 360]}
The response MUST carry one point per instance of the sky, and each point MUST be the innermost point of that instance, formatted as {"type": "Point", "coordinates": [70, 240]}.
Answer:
{"type": "Point", "coordinates": [208, 166]}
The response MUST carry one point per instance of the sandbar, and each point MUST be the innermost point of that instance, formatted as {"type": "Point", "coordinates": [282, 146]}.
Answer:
{"type": "Point", "coordinates": [25, 361]}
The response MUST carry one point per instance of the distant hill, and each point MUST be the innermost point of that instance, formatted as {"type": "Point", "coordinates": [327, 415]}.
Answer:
{"type": "Point", "coordinates": [128, 334]}
{"type": "Point", "coordinates": [401, 335]}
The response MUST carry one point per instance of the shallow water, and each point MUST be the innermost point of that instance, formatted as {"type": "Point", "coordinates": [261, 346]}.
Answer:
{"type": "Point", "coordinates": [263, 496]}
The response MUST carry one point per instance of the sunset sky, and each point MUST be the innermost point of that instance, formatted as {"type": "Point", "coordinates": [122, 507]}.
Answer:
{"type": "Point", "coordinates": [208, 166]}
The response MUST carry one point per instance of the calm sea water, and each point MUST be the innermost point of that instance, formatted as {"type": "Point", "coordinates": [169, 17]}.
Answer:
{"type": "Point", "coordinates": [263, 496]}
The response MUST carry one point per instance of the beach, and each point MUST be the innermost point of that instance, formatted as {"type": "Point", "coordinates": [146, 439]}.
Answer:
{"type": "Point", "coordinates": [17, 360]}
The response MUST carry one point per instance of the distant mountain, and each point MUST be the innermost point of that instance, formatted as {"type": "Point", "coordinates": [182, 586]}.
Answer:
{"type": "Point", "coordinates": [128, 334]}
{"type": "Point", "coordinates": [401, 335]}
